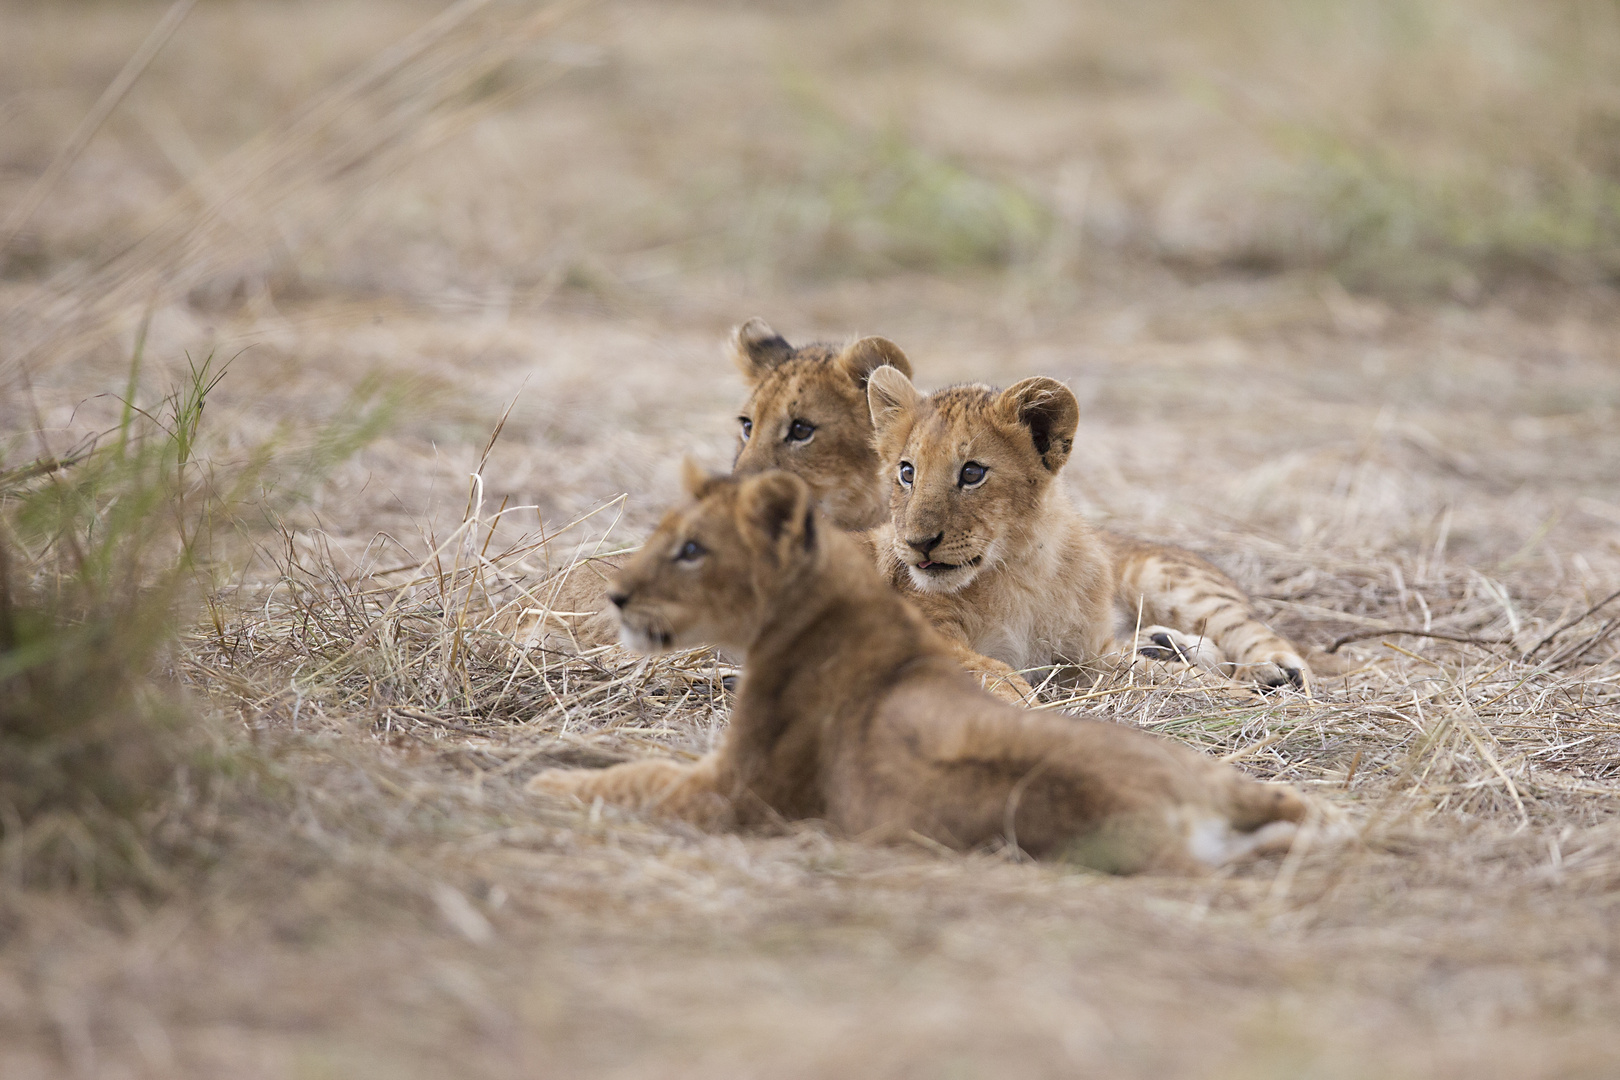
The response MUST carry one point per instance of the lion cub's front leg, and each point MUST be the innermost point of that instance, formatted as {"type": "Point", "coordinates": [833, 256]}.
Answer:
{"type": "Point", "coordinates": [998, 678]}
{"type": "Point", "coordinates": [1187, 595]}
{"type": "Point", "coordinates": [653, 786]}
{"type": "Point", "coordinates": [1159, 652]}
{"type": "Point", "coordinates": [1173, 646]}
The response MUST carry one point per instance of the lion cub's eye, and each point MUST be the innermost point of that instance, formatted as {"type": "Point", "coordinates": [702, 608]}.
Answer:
{"type": "Point", "coordinates": [972, 474]}
{"type": "Point", "coordinates": [907, 473]}
{"type": "Point", "coordinates": [747, 426]}
{"type": "Point", "coordinates": [691, 551]}
{"type": "Point", "coordinates": [800, 431]}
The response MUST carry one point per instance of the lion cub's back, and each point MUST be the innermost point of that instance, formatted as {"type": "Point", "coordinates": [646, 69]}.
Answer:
{"type": "Point", "coordinates": [966, 769]}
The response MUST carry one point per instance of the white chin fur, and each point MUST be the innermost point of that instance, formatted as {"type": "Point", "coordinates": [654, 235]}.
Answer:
{"type": "Point", "coordinates": [948, 582]}
{"type": "Point", "coordinates": [639, 641]}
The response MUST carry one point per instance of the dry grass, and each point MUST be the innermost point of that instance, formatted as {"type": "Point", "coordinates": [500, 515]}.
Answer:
{"type": "Point", "coordinates": [546, 226]}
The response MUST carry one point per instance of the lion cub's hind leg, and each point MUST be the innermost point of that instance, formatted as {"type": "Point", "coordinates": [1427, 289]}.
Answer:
{"type": "Point", "coordinates": [1183, 592]}
{"type": "Point", "coordinates": [653, 786]}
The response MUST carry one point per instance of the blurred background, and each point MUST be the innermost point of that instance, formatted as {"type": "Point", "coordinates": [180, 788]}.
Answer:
{"type": "Point", "coordinates": [1429, 148]}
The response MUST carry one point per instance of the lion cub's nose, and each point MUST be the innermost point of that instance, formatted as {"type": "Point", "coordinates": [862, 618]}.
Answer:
{"type": "Point", "coordinates": [619, 597]}
{"type": "Point", "coordinates": [925, 546]}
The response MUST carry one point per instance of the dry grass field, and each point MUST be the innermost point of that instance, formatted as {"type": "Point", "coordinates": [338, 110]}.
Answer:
{"type": "Point", "coordinates": [1333, 282]}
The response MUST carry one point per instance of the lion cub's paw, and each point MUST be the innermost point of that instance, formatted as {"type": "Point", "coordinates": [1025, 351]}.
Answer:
{"type": "Point", "coordinates": [1272, 838]}
{"type": "Point", "coordinates": [1011, 688]}
{"type": "Point", "coordinates": [1280, 671]}
{"type": "Point", "coordinates": [1173, 646]}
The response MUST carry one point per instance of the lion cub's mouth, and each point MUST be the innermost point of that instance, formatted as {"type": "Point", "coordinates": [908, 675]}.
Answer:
{"type": "Point", "coordinates": [645, 639]}
{"type": "Point", "coordinates": [929, 566]}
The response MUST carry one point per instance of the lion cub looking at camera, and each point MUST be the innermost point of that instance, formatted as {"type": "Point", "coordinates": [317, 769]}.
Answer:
{"type": "Point", "coordinates": [983, 537]}
{"type": "Point", "coordinates": [851, 709]}
{"type": "Point", "coordinates": [807, 413]}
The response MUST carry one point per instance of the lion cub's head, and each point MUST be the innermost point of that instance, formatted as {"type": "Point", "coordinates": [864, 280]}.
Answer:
{"type": "Point", "coordinates": [709, 573]}
{"type": "Point", "coordinates": [969, 468]}
{"type": "Point", "coordinates": [807, 414]}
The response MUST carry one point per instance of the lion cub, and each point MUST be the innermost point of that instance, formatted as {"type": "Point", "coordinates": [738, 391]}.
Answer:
{"type": "Point", "coordinates": [981, 534]}
{"type": "Point", "coordinates": [807, 413]}
{"type": "Point", "coordinates": [852, 709]}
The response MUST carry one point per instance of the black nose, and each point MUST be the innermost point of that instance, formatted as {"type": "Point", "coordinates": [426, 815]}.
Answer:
{"type": "Point", "coordinates": [925, 546]}
{"type": "Point", "coordinates": [618, 597]}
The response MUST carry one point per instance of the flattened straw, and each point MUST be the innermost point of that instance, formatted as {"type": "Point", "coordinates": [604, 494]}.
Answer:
{"type": "Point", "coordinates": [1594, 609]}
{"type": "Point", "coordinates": [1570, 653]}
{"type": "Point", "coordinates": [1465, 639]}
{"type": "Point", "coordinates": [1254, 748]}
{"type": "Point", "coordinates": [1467, 729]}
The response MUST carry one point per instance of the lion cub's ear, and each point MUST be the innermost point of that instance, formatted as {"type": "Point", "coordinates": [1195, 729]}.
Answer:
{"type": "Point", "coordinates": [1049, 410]}
{"type": "Point", "coordinates": [870, 353]}
{"type": "Point", "coordinates": [776, 515]}
{"type": "Point", "coordinates": [756, 349]}
{"type": "Point", "coordinates": [889, 395]}
{"type": "Point", "coordinates": [695, 478]}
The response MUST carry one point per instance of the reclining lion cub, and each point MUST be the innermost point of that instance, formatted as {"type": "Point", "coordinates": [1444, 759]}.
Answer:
{"type": "Point", "coordinates": [981, 533]}
{"type": "Point", "coordinates": [851, 709]}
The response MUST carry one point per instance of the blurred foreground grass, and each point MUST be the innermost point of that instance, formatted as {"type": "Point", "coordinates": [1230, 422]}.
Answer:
{"type": "Point", "coordinates": [109, 552]}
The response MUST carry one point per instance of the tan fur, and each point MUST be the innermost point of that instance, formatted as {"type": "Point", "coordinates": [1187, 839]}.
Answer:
{"type": "Point", "coordinates": [824, 387]}
{"type": "Point", "coordinates": [852, 709]}
{"type": "Point", "coordinates": [1008, 567]}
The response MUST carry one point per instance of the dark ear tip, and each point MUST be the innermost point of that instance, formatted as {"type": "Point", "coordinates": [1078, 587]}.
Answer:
{"type": "Point", "coordinates": [756, 348]}
{"type": "Point", "coordinates": [755, 331]}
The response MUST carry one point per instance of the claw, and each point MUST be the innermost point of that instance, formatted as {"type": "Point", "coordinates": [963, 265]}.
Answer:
{"type": "Point", "coordinates": [1285, 677]}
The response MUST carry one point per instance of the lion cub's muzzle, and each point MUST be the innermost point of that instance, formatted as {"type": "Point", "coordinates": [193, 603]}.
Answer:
{"type": "Point", "coordinates": [639, 630]}
{"type": "Point", "coordinates": [642, 633]}
{"type": "Point", "coordinates": [938, 567]}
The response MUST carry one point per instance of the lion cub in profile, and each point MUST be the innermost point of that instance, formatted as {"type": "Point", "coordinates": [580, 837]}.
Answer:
{"type": "Point", "coordinates": [852, 709]}
{"type": "Point", "coordinates": [982, 534]}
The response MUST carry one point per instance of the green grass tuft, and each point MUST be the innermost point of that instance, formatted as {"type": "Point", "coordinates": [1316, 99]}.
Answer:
{"type": "Point", "coordinates": [104, 554]}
